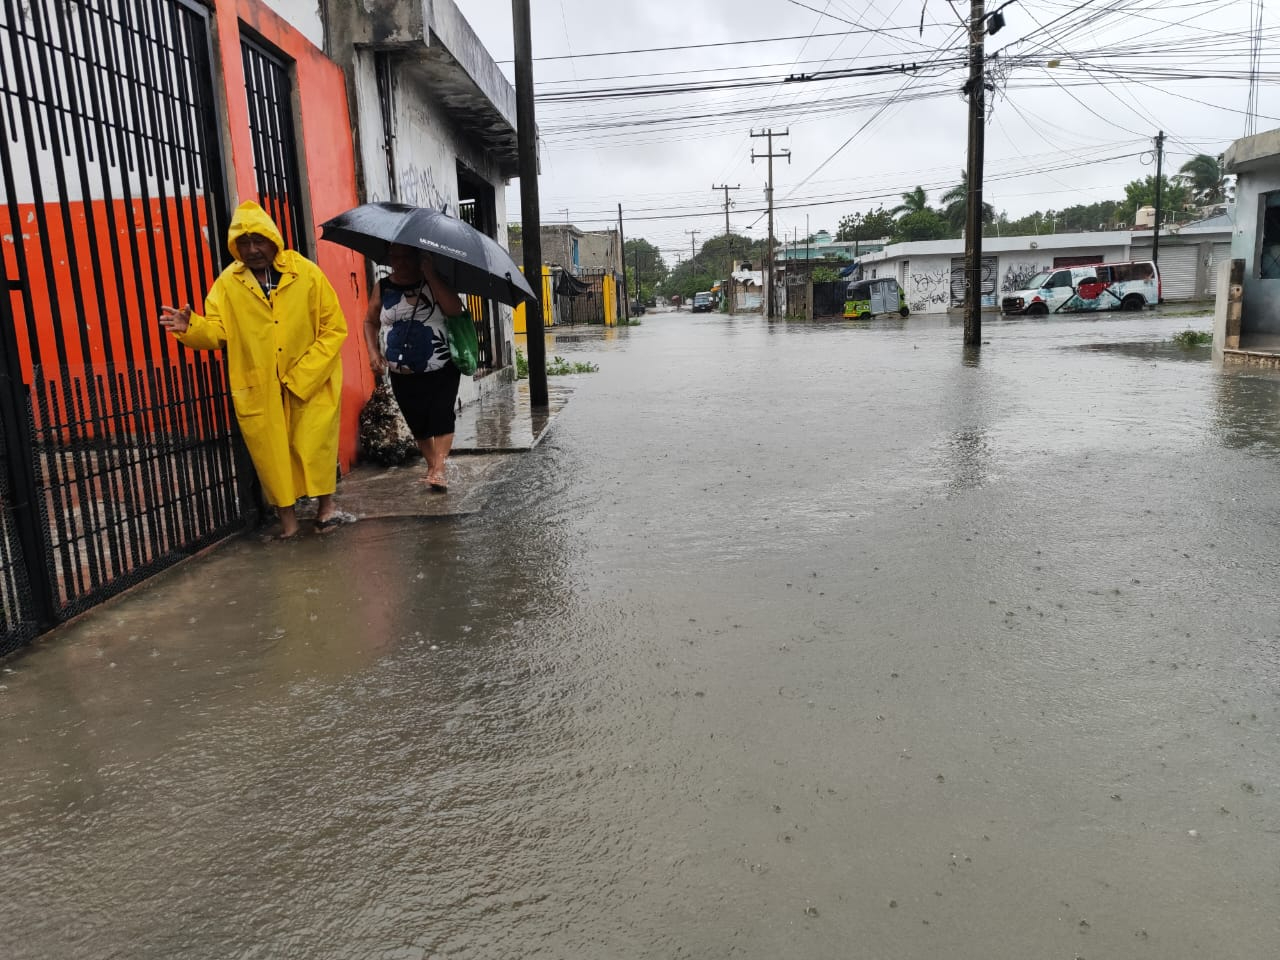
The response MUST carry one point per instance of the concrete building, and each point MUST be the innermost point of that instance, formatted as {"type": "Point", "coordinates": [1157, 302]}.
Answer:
{"type": "Point", "coordinates": [824, 247]}
{"type": "Point", "coordinates": [1255, 161]}
{"type": "Point", "coordinates": [576, 251]}
{"type": "Point", "coordinates": [931, 273]}
{"type": "Point", "coordinates": [435, 125]}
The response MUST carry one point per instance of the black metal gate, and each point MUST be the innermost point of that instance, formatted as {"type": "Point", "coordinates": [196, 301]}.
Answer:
{"type": "Point", "coordinates": [829, 297]}
{"type": "Point", "coordinates": [117, 454]}
{"type": "Point", "coordinates": [482, 311]}
{"type": "Point", "coordinates": [269, 92]}
{"type": "Point", "coordinates": [581, 297]}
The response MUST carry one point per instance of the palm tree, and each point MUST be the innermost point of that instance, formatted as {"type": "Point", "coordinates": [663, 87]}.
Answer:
{"type": "Point", "coordinates": [1205, 177]}
{"type": "Point", "coordinates": [913, 201]}
{"type": "Point", "coordinates": [955, 204]}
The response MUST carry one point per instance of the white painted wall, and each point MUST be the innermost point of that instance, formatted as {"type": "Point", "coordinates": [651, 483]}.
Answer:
{"type": "Point", "coordinates": [927, 277]}
{"type": "Point", "coordinates": [1261, 313]}
{"type": "Point", "coordinates": [303, 16]}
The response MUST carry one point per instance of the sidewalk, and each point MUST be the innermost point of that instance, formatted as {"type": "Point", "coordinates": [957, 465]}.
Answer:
{"type": "Point", "coordinates": [489, 432]}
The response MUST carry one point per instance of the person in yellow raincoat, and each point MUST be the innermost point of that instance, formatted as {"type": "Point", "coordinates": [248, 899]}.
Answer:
{"type": "Point", "coordinates": [278, 318]}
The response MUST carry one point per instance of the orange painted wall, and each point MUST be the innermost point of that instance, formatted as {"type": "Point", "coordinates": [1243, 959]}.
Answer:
{"type": "Point", "coordinates": [329, 170]}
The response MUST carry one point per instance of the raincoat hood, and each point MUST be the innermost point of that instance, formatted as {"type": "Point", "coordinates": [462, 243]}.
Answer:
{"type": "Point", "coordinates": [251, 218]}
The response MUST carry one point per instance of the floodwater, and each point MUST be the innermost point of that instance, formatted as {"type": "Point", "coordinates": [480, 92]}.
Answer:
{"type": "Point", "coordinates": [805, 641]}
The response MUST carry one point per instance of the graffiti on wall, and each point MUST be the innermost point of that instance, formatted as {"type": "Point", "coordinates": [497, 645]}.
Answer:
{"type": "Point", "coordinates": [987, 281]}
{"type": "Point", "coordinates": [1018, 275]}
{"type": "Point", "coordinates": [418, 187]}
{"type": "Point", "coordinates": [927, 288]}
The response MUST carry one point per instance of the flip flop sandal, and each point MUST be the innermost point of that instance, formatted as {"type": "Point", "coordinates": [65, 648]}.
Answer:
{"type": "Point", "coordinates": [275, 536]}
{"type": "Point", "coordinates": [324, 526]}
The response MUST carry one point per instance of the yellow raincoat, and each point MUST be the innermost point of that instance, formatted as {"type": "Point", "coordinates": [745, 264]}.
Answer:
{"type": "Point", "coordinates": [283, 362]}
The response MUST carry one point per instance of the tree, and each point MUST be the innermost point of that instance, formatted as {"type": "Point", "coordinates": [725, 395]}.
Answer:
{"type": "Point", "coordinates": [955, 205]}
{"type": "Point", "coordinates": [1142, 193]}
{"type": "Point", "coordinates": [913, 201]}
{"type": "Point", "coordinates": [639, 254]}
{"type": "Point", "coordinates": [921, 225]}
{"type": "Point", "coordinates": [708, 266]}
{"type": "Point", "coordinates": [1205, 177]}
{"type": "Point", "coordinates": [515, 233]}
{"type": "Point", "coordinates": [866, 226]}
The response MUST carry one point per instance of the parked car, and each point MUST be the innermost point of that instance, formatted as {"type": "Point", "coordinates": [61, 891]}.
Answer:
{"type": "Point", "coordinates": [703, 302]}
{"type": "Point", "coordinates": [1095, 286]}
{"type": "Point", "coordinates": [865, 298]}
{"type": "Point", "coordinates": [637, 308]}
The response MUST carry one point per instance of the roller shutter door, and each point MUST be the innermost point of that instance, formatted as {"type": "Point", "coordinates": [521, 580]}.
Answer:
{"type": "Point", "coordinates": [1221, 251]}
{"type": "Point", "coordinates": [1178, 272]}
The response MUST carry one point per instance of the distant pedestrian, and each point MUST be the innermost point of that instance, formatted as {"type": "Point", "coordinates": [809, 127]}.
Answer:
{"type": "Point", "coordinates": [278, 318]}
{"type": "Point", "coordinates": [405, 334]}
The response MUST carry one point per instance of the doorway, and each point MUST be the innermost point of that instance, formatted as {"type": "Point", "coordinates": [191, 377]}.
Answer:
{"type": "Point", "coordinates": [477, 205]}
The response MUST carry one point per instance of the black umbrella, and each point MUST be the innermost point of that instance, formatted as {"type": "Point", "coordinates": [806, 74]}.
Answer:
{"type": "Point", "coordinates": [466, 259]}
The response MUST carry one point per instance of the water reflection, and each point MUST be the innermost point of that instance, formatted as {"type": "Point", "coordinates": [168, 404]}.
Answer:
{"type": "Point", "coordinates": [1246, 410]}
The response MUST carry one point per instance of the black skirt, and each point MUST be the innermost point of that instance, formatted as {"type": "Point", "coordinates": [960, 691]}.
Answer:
{"type": "Point", "coordinates": [427, 400]}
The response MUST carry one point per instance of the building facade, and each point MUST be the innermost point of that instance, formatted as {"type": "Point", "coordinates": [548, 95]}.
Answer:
{"type": "Point", "coordinates": [1255, 161]}
{"type": "Point", "coordinates": [132, 131]}
{"type": "Point", "coordinates": [932, 273]}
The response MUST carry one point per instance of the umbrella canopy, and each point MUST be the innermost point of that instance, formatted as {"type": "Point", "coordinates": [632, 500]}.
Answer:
{"type": "Point", "coordinates": [465, 258]}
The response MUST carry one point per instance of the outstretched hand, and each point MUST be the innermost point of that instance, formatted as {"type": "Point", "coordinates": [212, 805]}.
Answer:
{"type": "Point", "coordinates": [176, 319]}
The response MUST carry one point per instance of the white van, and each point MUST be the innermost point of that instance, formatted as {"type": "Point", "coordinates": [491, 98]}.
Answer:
{"type": "Point", "coordinates": [1095, 286]}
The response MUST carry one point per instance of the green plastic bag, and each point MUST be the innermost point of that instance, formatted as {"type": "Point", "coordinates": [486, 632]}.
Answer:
{"type": "Point", "coordinates": [464, 346]}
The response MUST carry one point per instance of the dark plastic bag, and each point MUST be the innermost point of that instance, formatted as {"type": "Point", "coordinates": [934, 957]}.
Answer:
{"type": "Point", "coordinates": [464, 345]}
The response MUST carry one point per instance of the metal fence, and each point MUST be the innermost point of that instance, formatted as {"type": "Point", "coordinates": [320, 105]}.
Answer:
{"type": "Point", "coordinates": [586, 305]}
{"type": "Point", "coordinates": [117, 447]}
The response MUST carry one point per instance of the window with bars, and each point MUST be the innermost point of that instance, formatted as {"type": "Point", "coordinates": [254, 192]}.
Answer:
{"type": "Point", "coordinates": [1269, 261]}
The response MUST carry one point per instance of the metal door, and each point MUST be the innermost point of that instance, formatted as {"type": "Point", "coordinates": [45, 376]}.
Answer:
{"type": "Point", "coordinates": [1178, 272]}
{"type": "Point", "coordinates": [118, 449]}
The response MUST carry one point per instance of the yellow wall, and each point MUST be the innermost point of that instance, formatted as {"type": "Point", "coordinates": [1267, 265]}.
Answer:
{"type": "Point", "coordinates": [610, 302]}
{"type": "Point", "coordinates": [548, 318]}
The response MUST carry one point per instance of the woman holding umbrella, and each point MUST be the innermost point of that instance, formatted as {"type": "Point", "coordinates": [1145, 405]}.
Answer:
{"type": "Point", "coordinates": [404, 331]}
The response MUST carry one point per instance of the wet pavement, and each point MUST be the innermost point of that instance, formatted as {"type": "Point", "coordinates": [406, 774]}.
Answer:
{"type": "Point", "coordinates": [791, 640]}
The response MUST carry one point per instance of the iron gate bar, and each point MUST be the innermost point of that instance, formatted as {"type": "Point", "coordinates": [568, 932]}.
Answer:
{"type": "Point", "coordinates": [268, 91]}
{"type": "Point", "coordinates": [128, 467]}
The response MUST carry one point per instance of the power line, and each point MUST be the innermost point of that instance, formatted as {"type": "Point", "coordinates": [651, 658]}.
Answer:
{"type": "Point", "coordinates": [721, 43]}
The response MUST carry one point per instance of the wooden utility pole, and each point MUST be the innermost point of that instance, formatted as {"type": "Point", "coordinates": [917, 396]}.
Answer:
{"type": "Point", "coordinates": [530, 216]}
{"type": "Point", "coordinates": [976, 89]}
{"type": "Point", "coordinates": [769, 155]}
{"type": "Point", "coordinates": [1155, 232]}
{"type": "Point", "coordinates": [728, 241]}
{"type": "Point", "coordinates": [693, 253]}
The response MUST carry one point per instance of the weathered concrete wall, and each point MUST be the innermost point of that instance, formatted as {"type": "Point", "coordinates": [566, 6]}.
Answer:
{"type": "Point", "coordinates": [426, 148]}
{"type": "Point", "coordinates": [1261, 297]}
{"type": "Point", "coordinates": [303, 16]}
{"type": "Point", "coordinates": [599, 248]}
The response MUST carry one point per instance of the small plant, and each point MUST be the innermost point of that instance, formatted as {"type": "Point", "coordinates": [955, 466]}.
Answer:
{"type": "Point", "coordinates": [1193, 338]}
{"type": "Point", "coordinates": [624, 322]}
{"type": "Point", "coordinates": [557, 366]}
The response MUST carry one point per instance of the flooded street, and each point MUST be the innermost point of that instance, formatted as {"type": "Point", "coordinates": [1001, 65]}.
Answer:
{"type": "Point", "coordinates": [790, 640]}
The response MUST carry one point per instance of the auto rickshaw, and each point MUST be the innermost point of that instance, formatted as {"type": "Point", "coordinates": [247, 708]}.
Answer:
{"type": "Point", "coordinates": [866, 298]}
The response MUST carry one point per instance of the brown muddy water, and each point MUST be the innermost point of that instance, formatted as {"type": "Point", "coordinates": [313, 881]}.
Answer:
{"type": "Point", "coordinates": [804, 641]}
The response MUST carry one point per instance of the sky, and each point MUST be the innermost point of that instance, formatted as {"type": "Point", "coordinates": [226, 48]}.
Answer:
{"type": "Point", "coordinates": [1081, 88]}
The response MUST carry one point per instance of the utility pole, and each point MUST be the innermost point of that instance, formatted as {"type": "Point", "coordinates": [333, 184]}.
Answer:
{"type": "Point", "coordinates": [1155, 233]}
{"type": "Point", "coordinates": [530, 216]}
{"type": "Point", "coordinates": [769, 155]}
{"type": "Point", "coordinates": [728, 242]}
{"type": "Point", "coordinates": [976, 88]}
{"type": "Point", "coordinates": [693, 237]}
